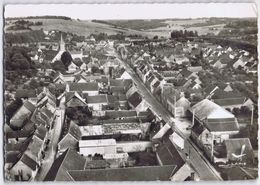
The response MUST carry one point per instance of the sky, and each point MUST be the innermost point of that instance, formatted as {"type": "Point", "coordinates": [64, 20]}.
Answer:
{"type": "Point", "coordinates": [134, 11]}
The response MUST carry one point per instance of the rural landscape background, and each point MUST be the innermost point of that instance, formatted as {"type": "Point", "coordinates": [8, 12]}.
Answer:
{"type": "Point", "coordinates": [130, 100]}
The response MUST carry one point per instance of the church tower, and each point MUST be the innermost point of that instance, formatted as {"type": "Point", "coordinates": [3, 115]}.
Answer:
{"type": "Point", "coordinates": [62, 43]}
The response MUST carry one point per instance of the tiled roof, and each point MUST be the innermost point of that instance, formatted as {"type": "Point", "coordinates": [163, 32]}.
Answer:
{"type": "Point", "coordinates": [97, 99]}
{"type": "Point", "coordinates": [135, 99]}
{"type": "Point", "coordinates": [29, 106]}
{"type": "Point", "coordinates": [74, 130]}
{"type": "Point", "coordinates": [69, 160]}
{"type": "Point", "coordinates": [83, 86]}
{"type": "Point", "coordinates": [234, 146]}
{"type": "Point", "coordinates": [169, 155]}
{"type": "Point", "coordinates": [25, 93]}
{"type": "Point", "coordinates": [41, 132]}
{"type": "Point", "coordinates": [119, 114]}
{"type": "Point", "coordinates": [230, 101]}
{"type": "Point", "coordinates": [144, 173]}
{"type": "Point", "coordinates": [206, 108]}
{"type": "Point", "coordinates": [29, 162]}
{"type": "Point", "coordinates": [34, 147]}
{"type": "Point", "coordinates": [12, 157]}
{"type": "Point", "coordinates": [222, 125]}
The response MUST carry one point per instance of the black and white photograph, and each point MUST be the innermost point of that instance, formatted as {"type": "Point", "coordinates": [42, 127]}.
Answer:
{"type": "Point", "coordinates": [130, 92]}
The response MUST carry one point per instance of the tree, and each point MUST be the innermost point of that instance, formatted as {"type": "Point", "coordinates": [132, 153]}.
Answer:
{"type": "Point", "coordinates": [155, 37]}
{"type": "Point", "coordinates": [33, 84]}
{"type": "Point", "coordinates": [66, 58]}
{"type": "Point", "coordinates": [58, 66]}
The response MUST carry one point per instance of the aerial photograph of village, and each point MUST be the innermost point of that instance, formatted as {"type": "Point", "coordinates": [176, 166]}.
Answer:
{"type": "Point", "coordinates": [167, 99]}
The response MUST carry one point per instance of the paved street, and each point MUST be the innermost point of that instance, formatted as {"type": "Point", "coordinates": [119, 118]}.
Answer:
{"type": "Point", "coordinates": [197, 159]}
{"type": "Point", "coordinates": [50, 154]}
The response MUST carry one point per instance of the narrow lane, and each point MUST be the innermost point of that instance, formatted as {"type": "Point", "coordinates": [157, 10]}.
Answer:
{"type": "Point", "coordinates": [52, 147]}
{"type": "Point", "coordinates": [199, 162]}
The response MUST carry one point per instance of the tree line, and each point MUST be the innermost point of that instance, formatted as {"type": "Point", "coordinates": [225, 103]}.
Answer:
{"type": "Point", "coordinates": [183, 34]}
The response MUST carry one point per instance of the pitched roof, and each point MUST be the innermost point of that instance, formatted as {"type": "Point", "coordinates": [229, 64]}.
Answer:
{"type": "Point", "coordinates": [234, 146]}
{"type": "Point", "coordinates": [29, 162]}
{"type": "Point", "coordinates": [144, 173]}
{"type": "Point", "coordinates": [70, 95]}
{"type": "Point", "coordinates": [12, 157]}
{"type": "Point", "coordinates": [169, 155]}
{"type": "Point", "coordinates": [185, 73]}
{"type": "Point", "coordinates": [135, 99]}
{"type": "Point", "coordinates": [69, 160]}
{"type": "Point", "coordinates": [34, 147]}
{"type": "Point", "coordinates": [21, 146]}
{"type": "Point", "coordinates": [41, 132]}
{"type": "Point", "coordinates": [97, 99]}
{"type": "Point", "coordinates": [238, 173]}
{"type": "Point", "coordinates": [208, 109]}
{"type": "Point", "coordinates": [121, 113]}
{"type": "Point", "coordinates": [230, 101]}
{"type": "Point", "coordinates": [74, 130]}
{"type": "Point", "coordinates": [29, 106]}
{"type": "Point", "coordinates": [91, 86]}
{"type": "Point", "coordinates": [25, 93]}
{"type": "Point", "coordinates": [223, 124]}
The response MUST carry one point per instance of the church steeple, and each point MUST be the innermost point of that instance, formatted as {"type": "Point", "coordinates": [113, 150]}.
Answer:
{"type": "Point", "coordinates": [62, 43]}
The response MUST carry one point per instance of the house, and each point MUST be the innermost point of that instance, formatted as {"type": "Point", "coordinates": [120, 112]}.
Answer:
{"type": "Point", "coordinates": [48, 102]}
{"type": "Point", "coordinates": [22, 114]}
{"type": "Point", "coordinates": [238, 173]}
{"type": "Point", "coordinates": [19, 135]}
{"type": "Point", "coordinates": [68, 160]}
{"type": "Point", "coordinates": [97, 102]}
{"type": "Point", "coordinates": [35, 148]}
{"type": "Point", "coordinates": [167, 154]}
{"type": "Point", "coordinates": [195, 69]}
{"type": "Point", "coordinates": [14, 152]}
{"type": "Point", "coordinates": [143, 173]}
{"type": "Point", "coordinates": [236, 102]}
{"type": "Point", "coordinates": [242, 61]}
{"type": "Point", "coordinates": [137, 102]}
{"type": "Point", "coordinates": [90, 88]}
{"type": "Point", "coordinates": [72, 67]}
{"type": "Point", "coordinates": [70, 138]}
{"type": "Point", "coordinates": [212, 125]}
{"type": "Point", "coordinates": [125, 76]}
{"type": "Point", "coordinates": [25, 169]}
{"type": "Point", "coordinates": [61, 79]}
{"type": "Point", "coordinates": [228, 88]}
{"type": "Point", "coordinates": [43, 117]}
{"type": "Point", "coordinates": [27, 94]}
{"type": "Point", "coordinates": [178, 107]}
{"type": "Point", "coordinates": [74, 99]}
{"type": "Point", "coordinates": [100, 146]}
{"type": "Point", "coordinates": [239, 150]}
{"type": "Point", "coordinates": [222, 61]}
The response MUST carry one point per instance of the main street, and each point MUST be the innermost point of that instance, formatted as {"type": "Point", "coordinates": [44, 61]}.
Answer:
{"type": "Point", "coordinates": [50, 154]}
{"type": "Point", "coordinates": [197, 160]}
